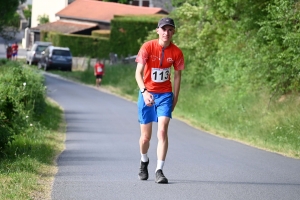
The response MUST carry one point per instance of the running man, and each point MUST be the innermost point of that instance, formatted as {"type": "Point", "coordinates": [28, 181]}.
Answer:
{"type": "Point", "coordinates": [8, 52]}
{"type": "Point", "coordinates": [15, 49]}
{"type": "Point", "coordinates": [98, 72]}
{"type": "Point", "coordinates": [157, 99]}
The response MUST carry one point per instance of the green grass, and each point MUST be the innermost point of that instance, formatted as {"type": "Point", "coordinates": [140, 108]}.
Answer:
{"type": "Point", "coordinates": [27, 167]}
{"type": "Point", "coordinates": [251, 118]}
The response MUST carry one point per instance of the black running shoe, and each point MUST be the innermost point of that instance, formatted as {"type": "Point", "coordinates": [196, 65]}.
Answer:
{"type": "Point", "coordinates": [143, 175]}
{"type": "Point", "coordinates": [160, 177]}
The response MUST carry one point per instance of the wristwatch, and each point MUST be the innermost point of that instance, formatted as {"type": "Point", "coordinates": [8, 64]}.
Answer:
{"type": "Point", "coordinates": [143, 90]}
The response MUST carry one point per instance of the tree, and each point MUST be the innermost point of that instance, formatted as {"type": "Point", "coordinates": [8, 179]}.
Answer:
{"type": "Point", "coordinates": [249, 45]}
{"type": "Point", "coordinates": [27, 12]}
{"type": "Point", "coordinates": [43, 19]}
{"type": "Point", "coordinates": [8, 18]}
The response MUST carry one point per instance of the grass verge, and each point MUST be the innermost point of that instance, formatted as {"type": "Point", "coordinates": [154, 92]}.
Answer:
{"type": "Point", "coordinates": [252, 118]}
{"type": "Point", "coordinates": [27, 167]}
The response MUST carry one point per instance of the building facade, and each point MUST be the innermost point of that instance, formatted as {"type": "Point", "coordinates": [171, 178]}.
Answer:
{"type": "Point", "coordinates": [48, 8]}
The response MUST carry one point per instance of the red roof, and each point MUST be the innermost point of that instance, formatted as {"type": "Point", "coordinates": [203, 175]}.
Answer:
{"type": "Point", "coordinates": [63, 27]}
{"type": "Point", "coordinates": [101, 11]}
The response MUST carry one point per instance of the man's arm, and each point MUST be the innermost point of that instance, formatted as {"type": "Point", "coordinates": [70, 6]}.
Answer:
{"type": "Point", "coordinates": [139, 75]}
{"type": "Point", "coordinates": [176, 87]}
{"type": "Point", "coordinates": [148, 98]}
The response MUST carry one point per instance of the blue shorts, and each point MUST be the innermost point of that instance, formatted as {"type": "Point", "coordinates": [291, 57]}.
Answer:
{"type": "Point", "coordinates": [163, 103]}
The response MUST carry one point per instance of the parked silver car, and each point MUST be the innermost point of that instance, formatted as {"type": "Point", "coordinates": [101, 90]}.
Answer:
{"type": "Point", "coordinates": [56, 58]}
{"type": "Point", "coordinates": [34, 55]}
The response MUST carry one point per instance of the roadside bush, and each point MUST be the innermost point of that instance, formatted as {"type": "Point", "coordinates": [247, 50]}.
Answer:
{"type": "Point", "coordinates": [22, 100]}
{"type": "Point", "coordinates": [248, 45]}
{"type": "Point", "coordinates": [127, 32]}
{"type": "Point", "coordinates": [80, 45]}
{"type": "Point", "coordinates": [3, 61]}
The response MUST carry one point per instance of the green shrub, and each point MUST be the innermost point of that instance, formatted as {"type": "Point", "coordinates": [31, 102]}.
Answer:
{"type": "Point", "coordinates": [128, 31]}
{"type": "Point", "coordinates": [80, 45]}
{"type": "Point", "coordinates": [244, 44]}
{"type": "Point", "coordinates": [22, 100]}
{"type": "Point", "coordinates": [3, 62]}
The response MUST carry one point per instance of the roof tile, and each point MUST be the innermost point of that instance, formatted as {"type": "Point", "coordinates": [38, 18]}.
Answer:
{"type": "Point", "coordinates": [63, 27]}
{"type": "Point", "coordinates": [100, 11]}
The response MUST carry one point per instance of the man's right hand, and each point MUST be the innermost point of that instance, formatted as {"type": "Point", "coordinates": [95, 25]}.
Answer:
{"type": "Point", "coordinates": [148, 98]}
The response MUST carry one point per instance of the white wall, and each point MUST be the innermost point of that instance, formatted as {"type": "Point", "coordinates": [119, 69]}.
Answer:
{"type": "Point", "coordinates": [48, 7]}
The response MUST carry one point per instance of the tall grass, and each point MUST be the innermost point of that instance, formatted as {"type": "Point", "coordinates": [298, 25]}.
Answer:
{"type": "Point", "coordinates": [252, 118]}
{"type": "Point", "coordinates": [26, 167]}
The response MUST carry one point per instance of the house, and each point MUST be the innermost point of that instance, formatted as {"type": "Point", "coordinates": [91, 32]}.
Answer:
{"type": "Point", "coordinates": [46, 8]}
{"type": "Point", "coordinates": [164, 4]}
{"type": "Point", "coordinates": [101, 13]}
{"type": "Point", "coordinates": [50, 8]}
{"type": "Point", "coordinates": [84, 16]}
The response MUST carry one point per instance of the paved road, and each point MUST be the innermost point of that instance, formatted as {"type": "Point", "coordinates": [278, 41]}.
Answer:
{"type": "Point", "coordinates": [101, 158]}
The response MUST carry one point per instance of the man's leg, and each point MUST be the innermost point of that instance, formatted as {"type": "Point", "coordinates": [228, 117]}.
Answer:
{"type": "Point", "coordinates": [162, 148]}
{"type": "Point", "coordinates": [97, 82]}
{"type": "Point", "coordinates": [162, 136]}
{"type": "Point", "coordinates": [146, 132]}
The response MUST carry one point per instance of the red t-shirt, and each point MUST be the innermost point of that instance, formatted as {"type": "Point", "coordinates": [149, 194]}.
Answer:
{"type": "Point", "coordinates": [9, 51]}
{"type": "Point", "coordinates": [14, 48]}
{"type": "Point", "coordinates": [158, 62]}
{"type": "Point", "coordinates": [99, 68]}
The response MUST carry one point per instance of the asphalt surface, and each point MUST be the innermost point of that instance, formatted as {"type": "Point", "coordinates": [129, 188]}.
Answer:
{"type": "Point", "coordinates": [101, 159]}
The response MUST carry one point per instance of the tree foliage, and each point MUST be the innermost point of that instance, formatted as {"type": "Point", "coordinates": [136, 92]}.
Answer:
{"type": "Point", "coordinates": [245, 44]}
{"type": "Point", "coordinates": [43, 19]}
{"type": "Point", "coordinates": [22, 100]}
{"type": "Point", "coordinates": [27, 12]}
{"type": "Point", "coordinates": [8, 9]}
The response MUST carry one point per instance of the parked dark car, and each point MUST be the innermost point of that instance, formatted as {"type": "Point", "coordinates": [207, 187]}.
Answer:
{"type": "Point", "coordinates": [56, 58]}
{"type": "Point", "coordinates": [34, 55]}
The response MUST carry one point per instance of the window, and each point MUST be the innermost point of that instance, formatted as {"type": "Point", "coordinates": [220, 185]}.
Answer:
{"type": "Point", "coordinates": [41, 48]}
{"type": "Point", "coordinates": [61, 53]}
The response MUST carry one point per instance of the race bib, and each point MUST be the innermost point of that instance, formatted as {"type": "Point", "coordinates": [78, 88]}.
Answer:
{"type": "Point", "coordinates": [160, 75]}
{"type": "Point", "coordinates": [99, 69]}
